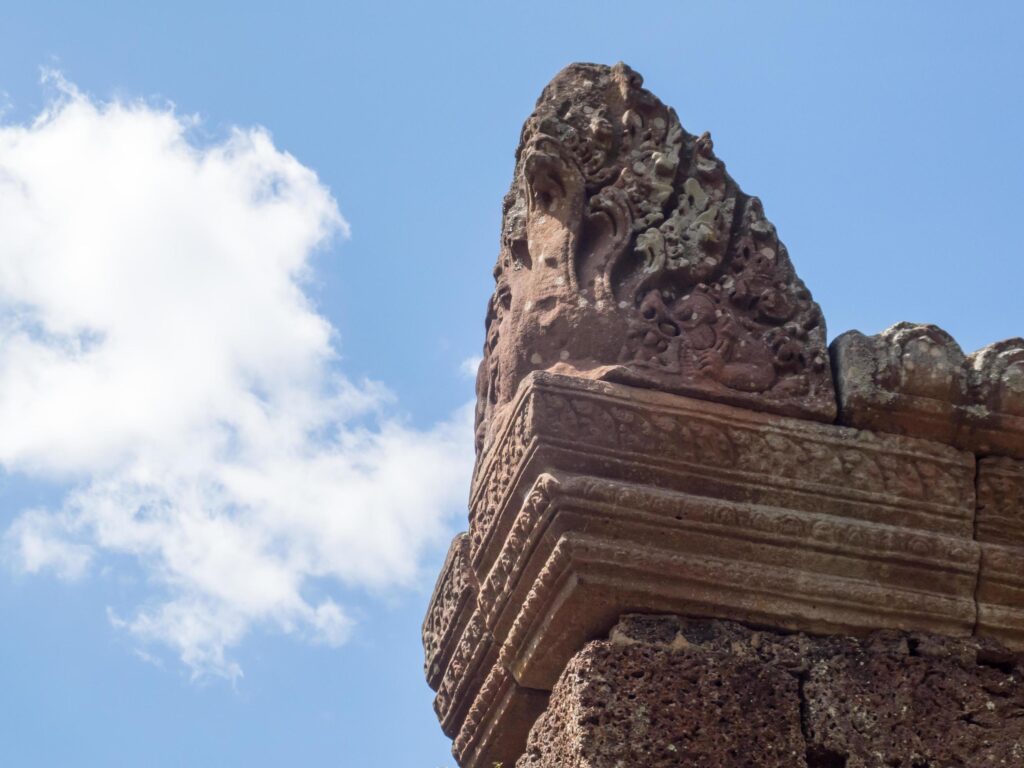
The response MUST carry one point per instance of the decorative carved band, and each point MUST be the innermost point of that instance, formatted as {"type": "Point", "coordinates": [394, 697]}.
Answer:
{"type": "Point", "coordinates": [1000, 501]}
{"type": "Point", "coordinates": [717, 450]}
{"type": "Point", "coordinates": [450, 607]}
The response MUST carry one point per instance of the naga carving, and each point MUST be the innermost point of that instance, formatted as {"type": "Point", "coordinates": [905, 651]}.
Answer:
{"type": "Point", "coordinates": [629, 254]}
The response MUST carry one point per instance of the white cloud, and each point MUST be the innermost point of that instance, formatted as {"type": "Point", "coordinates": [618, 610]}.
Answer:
{"type": "Point", "coordinates": [158, 353]}
{"type": "Point", "coordinates": [41, 544]}
{"type": "Point", "coordinates": [470, 366]}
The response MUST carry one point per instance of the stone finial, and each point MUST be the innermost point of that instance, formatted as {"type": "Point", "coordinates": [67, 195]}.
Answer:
{"type": "Point", "coordinates": [997, 377]}
{"type": "Point", "coordinates": [915, 380]}
{"type": "Point", "coordinates": [910, 379]}
{"type": "Point", "coordinates": [629, 254]}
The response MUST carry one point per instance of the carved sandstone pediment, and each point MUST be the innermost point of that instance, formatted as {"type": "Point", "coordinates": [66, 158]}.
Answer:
{"type": "Point", "coordinates": [629, 254]}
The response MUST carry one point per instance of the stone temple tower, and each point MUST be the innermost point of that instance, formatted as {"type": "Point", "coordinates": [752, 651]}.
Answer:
{"type": "Point", "coordinates": [698, 536]}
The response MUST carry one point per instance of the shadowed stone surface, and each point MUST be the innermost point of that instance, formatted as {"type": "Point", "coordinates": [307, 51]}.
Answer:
{"type": "Point", "coordinates": [666, 691]}
{"type": "Point", "coordinates": [628, 253]}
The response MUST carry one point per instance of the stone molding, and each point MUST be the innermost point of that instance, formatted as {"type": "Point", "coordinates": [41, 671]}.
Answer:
{"type": "Point", "coordinates": [1001, 594]}
{"type": "Point", "coordinates": [445, 620]}
{"type": "Point", "coordinates": [678, 443]}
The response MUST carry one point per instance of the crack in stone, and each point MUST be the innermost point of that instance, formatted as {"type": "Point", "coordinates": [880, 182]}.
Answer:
{"type": "Point", "coordinates": [981, 554]}
{"type": "Point", "coordinates": [815, 755]}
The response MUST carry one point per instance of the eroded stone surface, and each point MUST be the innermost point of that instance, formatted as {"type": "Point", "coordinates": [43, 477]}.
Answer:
{"type": "Point", "coordinates": [995, 423]}
{"type": "Point", "coordinates": [640, 705]}
{"type": "Point", "coordinates": [910, 379]}
{"type": "Point", "coordinates": [915, 380]}
{"type": "Point", "coordinates": [667, 691]}
{"type": "Point", "coordinates": [629, 253]}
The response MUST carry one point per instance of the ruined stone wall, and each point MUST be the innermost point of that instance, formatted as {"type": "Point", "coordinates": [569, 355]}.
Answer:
{"type": "Point", "coordinates": [663, 691]}
{"type": "Point", "coordinates": [662, 431]}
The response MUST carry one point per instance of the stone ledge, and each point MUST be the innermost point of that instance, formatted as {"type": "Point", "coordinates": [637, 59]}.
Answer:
{"type": "Point", "coordinates": [677, 443]}
{"type": "Point", "coordinates": [589, 581]}
{"type": "Point", "coordinates": [785, 568]}
{"type": "Point", "coordinates": [496, 725]}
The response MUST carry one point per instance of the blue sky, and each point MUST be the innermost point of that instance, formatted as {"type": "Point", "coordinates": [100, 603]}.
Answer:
{"type": "Point", "coordinates": [883, 139]}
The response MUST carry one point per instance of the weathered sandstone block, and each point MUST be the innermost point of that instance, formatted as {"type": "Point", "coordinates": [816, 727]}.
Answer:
{"type": "Point", "coordinates": [915, 380]}
{"type": "Point", "coordinates": [679, 693]}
